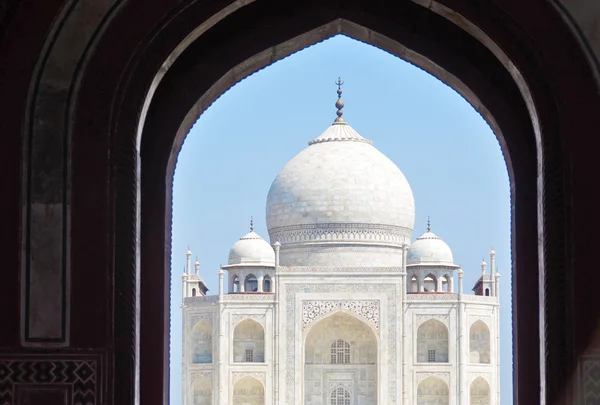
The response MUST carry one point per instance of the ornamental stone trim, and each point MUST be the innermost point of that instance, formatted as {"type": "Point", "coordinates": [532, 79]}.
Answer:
{"type": "Point", "coordinates": [350, 232]}
{"type": "Point", "coordinates": [237, 318]}
{"type": "Point", "coordinates": [431, 297]}
{"type": "Point", "coordinates": [421, 318]}
{"type": "Point", "coordinates": [486, 376]}
{"type": "Point", "coordinates": [290, 314]}
{"type": "Point", "coordinates": [330, 269]}
{"type": "Point", "coordinates": [193, 319]}
{"type": "Point", "coordinates": [444, 376]}
{"type": "Point", "coordinates": [347, 385]}
{"type": "Point", "coordinates": [204, 298]}
{"type": "Point", "coordinates": [260, 376]}
{"type": "Point", "coordinates": [202, 374]}
{"type": "Point", "coordinates": [248, 297]}
{"type": "Point", "coordinates": [339, 247]}
{"type": "Point", "coordinates": [367, 310]}
{"type": "Point", "coordinates": [589, 379]}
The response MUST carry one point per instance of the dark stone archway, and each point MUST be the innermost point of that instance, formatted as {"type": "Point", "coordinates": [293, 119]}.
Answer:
{"type": "Point", "coordinates": [108, 94]}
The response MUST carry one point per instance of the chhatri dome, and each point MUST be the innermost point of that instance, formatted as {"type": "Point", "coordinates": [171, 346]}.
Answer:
{"type": "Point", "coordinates": [343, 197]}
{"type": "Point", "coordinates": [429, 249]}
{"type": "Point", "coordinates": [251, 250]}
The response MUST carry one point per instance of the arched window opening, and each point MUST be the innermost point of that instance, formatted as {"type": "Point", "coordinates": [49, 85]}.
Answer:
{"type": "Point", "coordinates": [193, 292]}
{"type": "Point", "coordinates": [202, 343]}
{"type": "Point", "coordinates": [249, 342]}
{"type": "Point", "coordinates": [432, 342]}
{"type": "Point", "coordinates": [251, 284]}
{"type": "Point", "coordinates": [414, 284]}
{"type": "Point", "coordinates": [340, 352]}
{"type": "Point", "coordinates": [479, 343]}
{"type": "Point", "coordinates": [267, 284]}
{"type": "Point", "coordinates": [432, 390]}
{"type": "Point", "coordinates": [487, 292]}
{"type": "Point", "coordinates": [447, 283]}
{"type": "Point", "coordinates": [340, 396]}
{"type": "Point", "coordinates": [480, 392]}
{"type": "Point", "coordinates": [236, 284]}
{"type": "Point", "coordinates": [430, 283]}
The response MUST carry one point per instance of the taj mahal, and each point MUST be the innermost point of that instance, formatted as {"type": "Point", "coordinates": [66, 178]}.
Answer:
{"type": "Point", "coordinates": [341, 306]}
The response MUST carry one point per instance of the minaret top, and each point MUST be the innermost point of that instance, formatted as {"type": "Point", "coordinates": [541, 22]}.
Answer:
{"type": "Point", "coordinates": [189, 252]}
{"type": "Point", "coordinates": [339, 104]}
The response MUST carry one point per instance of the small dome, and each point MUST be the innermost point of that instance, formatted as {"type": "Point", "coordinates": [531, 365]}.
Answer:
{"type": "Point", "coordinates": [430, 249]}
{"type": "Point", "coordinates": [252, 250]}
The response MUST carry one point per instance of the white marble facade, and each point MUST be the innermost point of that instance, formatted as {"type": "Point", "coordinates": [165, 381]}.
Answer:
{"type": "Point", "coordinates": [341, 309]}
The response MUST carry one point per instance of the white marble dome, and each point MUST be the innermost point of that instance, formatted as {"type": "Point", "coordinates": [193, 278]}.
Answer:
{"type": "Point", "coordinates": [340, 178]}
{"type": "Point", "coordinates": [430, 249]}
{"type": "Point", "coordinates": [340, 190]}
{"type": "Point", "coordinates": [251, 250]}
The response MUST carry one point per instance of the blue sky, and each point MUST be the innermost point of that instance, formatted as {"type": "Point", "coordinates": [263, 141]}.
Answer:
{"type": "Point", "coordinates": [446, 150]}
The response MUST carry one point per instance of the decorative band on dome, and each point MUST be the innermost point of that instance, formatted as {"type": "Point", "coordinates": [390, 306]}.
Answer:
{"type": "Point", "coordinates": [341, 233]}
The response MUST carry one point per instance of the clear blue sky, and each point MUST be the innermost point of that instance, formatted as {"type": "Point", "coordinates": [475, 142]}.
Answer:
{"type": "Point", "coordinates": [447, 152]}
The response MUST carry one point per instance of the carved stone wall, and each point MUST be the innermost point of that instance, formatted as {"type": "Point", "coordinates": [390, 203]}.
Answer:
{"type": "Point", "coordinates": [367, 310]}
{"type": "Point", "coordinates": [236, 318]}
{"type": "Point", "coordinates": [75, 378]}
{"type": "Point", "coordinates": [589, 371]}
{"type": "Point", "coordinates": [291, 351]}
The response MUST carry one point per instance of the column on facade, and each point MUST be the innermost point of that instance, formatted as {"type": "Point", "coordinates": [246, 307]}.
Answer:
{"type": "Point", "coordinates": [275, 289]}
{"type": "Point", "coordinates": [463, 387]}
{"type": "Point", "coordinates": [221, 372]}
{"type": "Point", "coordinates": [422, 283]}
{"type": "Point", "coordinates": [404, 306]}
{"type": "Point", "coordinates": [438, 286]}
{"type": "Point", "coordinates": [492, 271]}
{"type": "Point", "coordinates": [241, 285]}
{"type": "Point", "coordinates": [497, 312]}
{"type": "Point", "coordinates": [450, 284]}
{"type": "Point", "coordinates": [260, 283]}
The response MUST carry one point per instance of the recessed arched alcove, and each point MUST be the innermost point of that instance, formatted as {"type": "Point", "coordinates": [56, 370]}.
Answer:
{"type": "Point", "coordinates": [201, 392]}
{"type": "Point", "coordinates": [432, 342]}
{"type": "Point", "coordinates": [340, 345]}
{"type": "Point", "coordinates": [248, 391]}
{"type": "Point", "coordinates": [202, 343]}
{"type": "Point", "coordinates": [479, 392]}
{"type": "Point", "coordinates": [248, 342]}
{"type": "Point", "coordinates": [433, 390]}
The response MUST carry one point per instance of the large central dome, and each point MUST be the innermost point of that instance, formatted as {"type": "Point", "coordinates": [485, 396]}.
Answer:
{"type": "Point", "coordinates": [343, 197]}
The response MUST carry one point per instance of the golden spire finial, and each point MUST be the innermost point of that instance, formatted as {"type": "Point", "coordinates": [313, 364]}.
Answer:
{"type": "Point", "coordinates": [428, 224]}
{"type": "Point", "coordinates": [339, 104]}
{"type": "Point", "coordinates": [251, 225]}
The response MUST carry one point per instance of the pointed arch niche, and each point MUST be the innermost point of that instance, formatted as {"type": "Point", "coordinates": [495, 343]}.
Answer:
{"type": "Point", "coordinates": [340, 349]}
{"type": "Point", "coordinates": [202, 344]}
{"type": "Point", "coordinates": [479, 343]}
{"type": "Point", "coordinates": [433, 390]}
{"type": "Point", "coordinates": [202, 391]}
{"type": "Point", "coordinates": [248, 342]}
{"type": "Point", "coordinates": [248, 391]}
{"type": "Point", "coordinates": [432, 342]}
{"type": "Point", "coordinates": [479, 392]}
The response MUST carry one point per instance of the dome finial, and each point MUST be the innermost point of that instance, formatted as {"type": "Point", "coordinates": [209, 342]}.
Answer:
{"type": "Point", "coordinates": [428, 224]}
{"type": "Point", "coordinates": [339, 104]}
{"type": "Point", "coordinates": [251, 225]}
